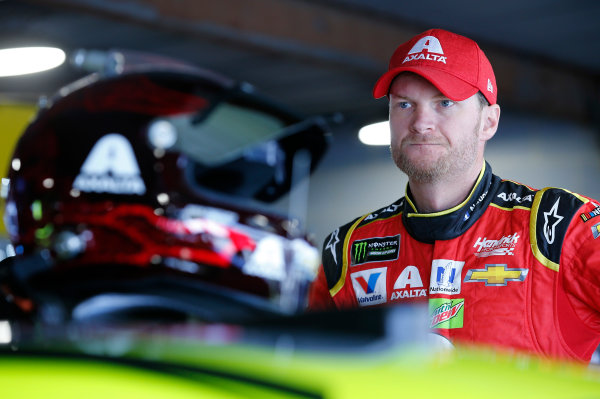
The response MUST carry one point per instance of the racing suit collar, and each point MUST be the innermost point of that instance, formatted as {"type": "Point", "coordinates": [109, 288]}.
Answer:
{"type": "Point", "coordinates": [449, 224]}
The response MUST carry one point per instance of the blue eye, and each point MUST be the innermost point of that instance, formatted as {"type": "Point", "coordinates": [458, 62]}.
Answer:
{"type": "Point", "coordinates": [446, 103]}
{"type": "Point", "coordinates": [403, 104]}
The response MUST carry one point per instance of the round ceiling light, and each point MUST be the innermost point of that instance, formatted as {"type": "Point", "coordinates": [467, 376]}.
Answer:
{"type": "Point", "coordinates": [26, 60]}
{"type": "Point", "coordinates": [375, 134]}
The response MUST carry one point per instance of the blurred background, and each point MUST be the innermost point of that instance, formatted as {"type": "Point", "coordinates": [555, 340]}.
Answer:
{"type": "Point", "coordinates": [323, 57]}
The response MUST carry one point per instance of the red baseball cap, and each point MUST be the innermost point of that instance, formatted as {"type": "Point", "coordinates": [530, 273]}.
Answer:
{"type": "Point", "coordinates": [453, 63]}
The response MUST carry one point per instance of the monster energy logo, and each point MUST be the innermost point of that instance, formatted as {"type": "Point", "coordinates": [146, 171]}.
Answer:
{"type": "Point", "coordinates": [360, 251]}
{"type": "Point", "coordinates": [375, 250]}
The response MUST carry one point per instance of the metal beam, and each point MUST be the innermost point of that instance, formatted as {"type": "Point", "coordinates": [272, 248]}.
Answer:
{"type": "Point", "coordinates": [327, 33]}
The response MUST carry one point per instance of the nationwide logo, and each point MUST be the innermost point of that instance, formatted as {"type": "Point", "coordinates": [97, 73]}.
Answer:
{"type": "Point", "coordinates": [496, 275]}
{"type": "Point", "coordinates": [408, 284]}
{"type": "Point", "coordinates": [376, 249]}
{"type": "Point", "coordinates": [370, 286]}
{"type": "Point", "coordinates": [445, 276]}
{"type": "Point", "coordinates": [446, 313]}
{"type": "Point", "coordinates": [481, 198]}
{"type": "Point", "coordinates": [504, 246]}
{"type": "Point", "coordinates": [433, 47]}
{"type": "Point", "coordinates": [587, 216]}
{"type": "Point", "coordinates": [111, 167]}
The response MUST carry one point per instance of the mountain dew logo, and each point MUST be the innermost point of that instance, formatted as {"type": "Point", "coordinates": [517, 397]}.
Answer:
{"type": "Point", "coordinates": [446, 313]}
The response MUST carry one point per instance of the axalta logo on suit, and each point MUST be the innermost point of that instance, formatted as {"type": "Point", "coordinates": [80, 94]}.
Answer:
{"type": "Point", "coordinates": [408, 284]}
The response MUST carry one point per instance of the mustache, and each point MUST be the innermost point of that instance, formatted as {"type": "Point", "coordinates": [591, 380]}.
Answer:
{"type": "Point", "coordinates": [422, 140]}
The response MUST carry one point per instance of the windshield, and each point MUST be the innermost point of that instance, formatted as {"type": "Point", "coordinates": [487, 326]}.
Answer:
{"type": "Point", "coordinates": [242, 148]}
{"type": "Point", "coordinates": [225, 134]}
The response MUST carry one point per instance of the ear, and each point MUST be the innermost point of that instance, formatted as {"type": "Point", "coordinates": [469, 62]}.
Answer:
{"type": "Point", "coordinates": [490, 118]}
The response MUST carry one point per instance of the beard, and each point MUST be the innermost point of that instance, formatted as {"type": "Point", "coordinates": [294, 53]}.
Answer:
{"type": "Point", "coordinates": [454, 161]}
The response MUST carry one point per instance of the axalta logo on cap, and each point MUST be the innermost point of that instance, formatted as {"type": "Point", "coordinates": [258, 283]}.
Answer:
{"type": "Point", "coordinates": [433, 47]}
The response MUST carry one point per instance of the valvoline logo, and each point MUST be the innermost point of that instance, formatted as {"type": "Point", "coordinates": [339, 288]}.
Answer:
{"type": "Point", "coordinates": [370, 286]}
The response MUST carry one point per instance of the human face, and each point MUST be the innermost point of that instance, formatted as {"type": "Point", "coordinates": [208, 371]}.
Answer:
{"type": "Point", "coordinates": [432, 137]}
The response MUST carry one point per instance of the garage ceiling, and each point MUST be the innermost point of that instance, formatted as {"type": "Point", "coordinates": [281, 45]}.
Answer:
{"type": "Point", "coordinates": [322, 57]}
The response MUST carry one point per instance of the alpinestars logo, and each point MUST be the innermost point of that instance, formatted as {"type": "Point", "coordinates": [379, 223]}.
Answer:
{"type": "Point", "coordinates": [333, 240]}
{"type": "Point", "coordinates": [111, 167]}
{"type": "Point", "coordinates": [551, 220]}
{"type": "Point", "coordinates": [433, 47]}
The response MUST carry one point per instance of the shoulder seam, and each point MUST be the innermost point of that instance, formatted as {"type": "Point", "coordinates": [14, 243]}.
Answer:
{"type": "Point", "coordinates": [533, 225]}
{"type": "Point", "coordinates": [340, 283]}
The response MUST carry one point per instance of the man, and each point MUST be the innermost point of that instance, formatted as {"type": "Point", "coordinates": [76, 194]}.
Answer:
{"type": "Point", "coordinates": [500, 263]}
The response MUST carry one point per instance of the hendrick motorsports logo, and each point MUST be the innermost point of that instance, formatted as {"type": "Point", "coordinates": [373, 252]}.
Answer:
{"type": "Point", "coordinates": [375, 250]}
{"type": "Point", "coordinates": [504, 246]}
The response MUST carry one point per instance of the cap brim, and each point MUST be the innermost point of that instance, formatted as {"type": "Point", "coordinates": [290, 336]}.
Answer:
{"type": "Point", "coordinates": [452, 87]}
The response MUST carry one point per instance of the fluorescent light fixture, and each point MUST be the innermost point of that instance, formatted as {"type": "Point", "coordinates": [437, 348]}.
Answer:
{"type": "Point", "coordinates": [375, 134]}
{"type": "Point", "coordinates": [25, 60]}
{"type": "Point", "coordinates": [5, 332]}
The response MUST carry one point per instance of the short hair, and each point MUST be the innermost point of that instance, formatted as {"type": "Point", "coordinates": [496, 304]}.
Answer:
{"type": "Point", "coordinates": [482, 100]}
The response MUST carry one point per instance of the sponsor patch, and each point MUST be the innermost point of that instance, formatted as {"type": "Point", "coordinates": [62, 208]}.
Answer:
{"type": "Point", "coordinates": [479, 200]}
{"type": "Point", "coordinates": [596, 230]}
{"type": "Point", "coordinates": [390, 209]}
{"type": "Point", "coordinates": [376, 249]}
{"type": "Point", "coordinates": [445, 276]}
{"type": "Point", "coordinates": [504, 246]}
{"type": "Point", "coordinates": [370, 286]}
{"type": "Point", "coordinates": [408, 284]}
{"type": "Point", "coordinates": [446, 313]}
{"type": "Point", "coordinates": [587, 216]}
{"type": "Point", "coordinates": [515, 198]}
{"type": "Point", "coordinates": [496, 275]}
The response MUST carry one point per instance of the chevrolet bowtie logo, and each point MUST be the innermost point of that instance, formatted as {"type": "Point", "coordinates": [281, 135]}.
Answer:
{"type": "Point", "coordinates": [495, 275]}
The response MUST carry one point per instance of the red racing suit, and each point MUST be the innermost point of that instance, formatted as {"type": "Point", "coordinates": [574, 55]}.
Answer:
{"type": "Point", "coordinates": [509, 267]}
